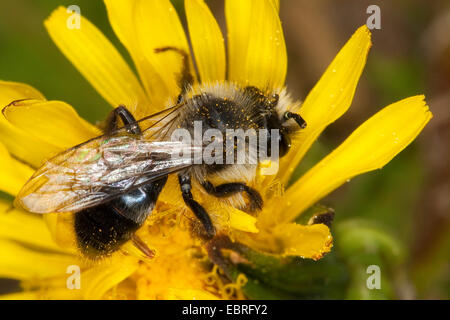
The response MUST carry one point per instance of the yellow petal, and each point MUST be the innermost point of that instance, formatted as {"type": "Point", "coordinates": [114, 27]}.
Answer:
{"type": "Point", "coordinates": [228, 216]}
{"type": "Point", "coordinates": [369, 147]}
{"type": "Point", "coordinates": [13, 174]}
{"type": "Point", "coordinates": [256, 47]}
{"type": "Point", "coordinates": [10, 91]}
{"type": "Point", "coordinates": [24, 227]}
{"type": "Point", "coordinates": [22, 145]}
{"type": "Point", "coordinates": [291, 239]}
{"type": "Point", "coordinates": [276, 4]}
{"type": "Point", "coordinates": [330, 98]}
{"type": "Point", "coordinates": [98, 280]}
{"type": "Point", "coordinates": [121, 18]}
{"type": "Point", "coordinates": [239, 220]}
{"type": "Point", "coordinates": [120, 15]}
{"type": "Point", "coordinates": [157, 26]}
{"type": "Point", "coordinates": [61, 229]}
{"type": "Point", "coordinates": [207, 41]}
{"type": "Point", "coordinates": [58, 128]}
{"type": "Point", "coordinates": [311, 241]}
{"type": "Point", "coordinates": [54, 122]}
{"type": "Point", "coordinates": [97, 59]}
{"type": "Point", "coordinates": [27, 148]}
{"type": "Point", "coordinates": [22, 263]}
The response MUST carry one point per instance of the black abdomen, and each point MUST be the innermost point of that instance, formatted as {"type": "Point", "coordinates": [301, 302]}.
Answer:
{"type": "Point", "coordinates": [102, 229]}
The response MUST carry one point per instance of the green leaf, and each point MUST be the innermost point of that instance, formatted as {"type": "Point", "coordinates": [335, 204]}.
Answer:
{"type": "Point", "coordinates": [270, 277]}
{"type": "Point", "coordinates": [362, 243]}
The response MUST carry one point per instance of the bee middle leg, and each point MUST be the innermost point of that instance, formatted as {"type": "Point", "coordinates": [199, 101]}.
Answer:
{"type": "Point", "coordinates": [228, 189]}
{"type": "Point", "coordinates": [127, 118]}
{"type": "Point", "coordinates": [199, 211]}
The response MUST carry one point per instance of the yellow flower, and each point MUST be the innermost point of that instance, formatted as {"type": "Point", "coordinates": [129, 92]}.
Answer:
{"type": "Point", "coordinates": [38, 251]}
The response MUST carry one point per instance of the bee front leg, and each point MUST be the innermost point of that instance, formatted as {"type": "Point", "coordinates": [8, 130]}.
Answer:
{"type": "Point", "coordinates": [228, 189]}
{"type": "Point", "coordinates": [199, 211]}
{"type": "Point", "coordinates": [128, 120]}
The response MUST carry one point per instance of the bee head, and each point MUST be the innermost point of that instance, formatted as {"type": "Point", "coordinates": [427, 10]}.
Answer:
{"type": "Point", "coordinates": [275, 116]}
{"type": "Point", "coordinates": [283, 139]}
{"type": "Point", "coordinates": [275, 121]}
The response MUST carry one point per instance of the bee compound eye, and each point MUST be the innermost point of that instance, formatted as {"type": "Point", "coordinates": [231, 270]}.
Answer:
{"type": "Point", "coordinates": [284, 144]}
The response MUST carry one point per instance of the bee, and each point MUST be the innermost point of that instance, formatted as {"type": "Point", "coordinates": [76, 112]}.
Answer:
{"type": "Point", "coordinates": [112, 182]}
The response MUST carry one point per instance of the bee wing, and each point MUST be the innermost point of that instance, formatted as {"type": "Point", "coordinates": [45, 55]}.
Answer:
{"type": "Point", "coordinates": [93, 174]}
{"type": "Point", "coordinates": [105, 167]}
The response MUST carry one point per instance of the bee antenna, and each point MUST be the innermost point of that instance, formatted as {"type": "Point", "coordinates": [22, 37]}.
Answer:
{"type": "Point", "coordinates": [297, 118]}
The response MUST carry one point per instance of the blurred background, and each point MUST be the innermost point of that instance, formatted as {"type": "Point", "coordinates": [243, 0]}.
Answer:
{"type": "Point", "coordinates": [398, 217]}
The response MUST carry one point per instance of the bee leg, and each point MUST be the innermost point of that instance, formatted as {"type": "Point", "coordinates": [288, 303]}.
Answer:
{"type": "Point", "coordinates": [142, 246]}
{"type": "Point", "coordinates": [326, 218]}
{"type": "Point", "coordinates": [186, 79]}
{"type": "Point", "coordinates": [127, 118]}
{"type": "Point", "coordinates": [199, 211]}
{"type": "Point", "coordinates": [228, 189]}
{"type": "Point", "coordinates": [214, 249]}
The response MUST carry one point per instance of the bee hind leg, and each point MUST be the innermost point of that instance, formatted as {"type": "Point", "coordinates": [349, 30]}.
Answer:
{"type": "Point", "coordinates": [127, 118]}
{"type": "Point", "coordinates": [228, 189]}
{"type": "Point", "coordinates": [199, 211]}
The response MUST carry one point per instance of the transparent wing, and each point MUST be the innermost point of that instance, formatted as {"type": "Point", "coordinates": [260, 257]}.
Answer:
{"type": "Point", "coordinates": [103, 168]}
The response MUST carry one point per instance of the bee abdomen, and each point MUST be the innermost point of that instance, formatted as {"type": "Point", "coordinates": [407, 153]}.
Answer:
{"type": "Point", "coordinates": [103, 229]}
